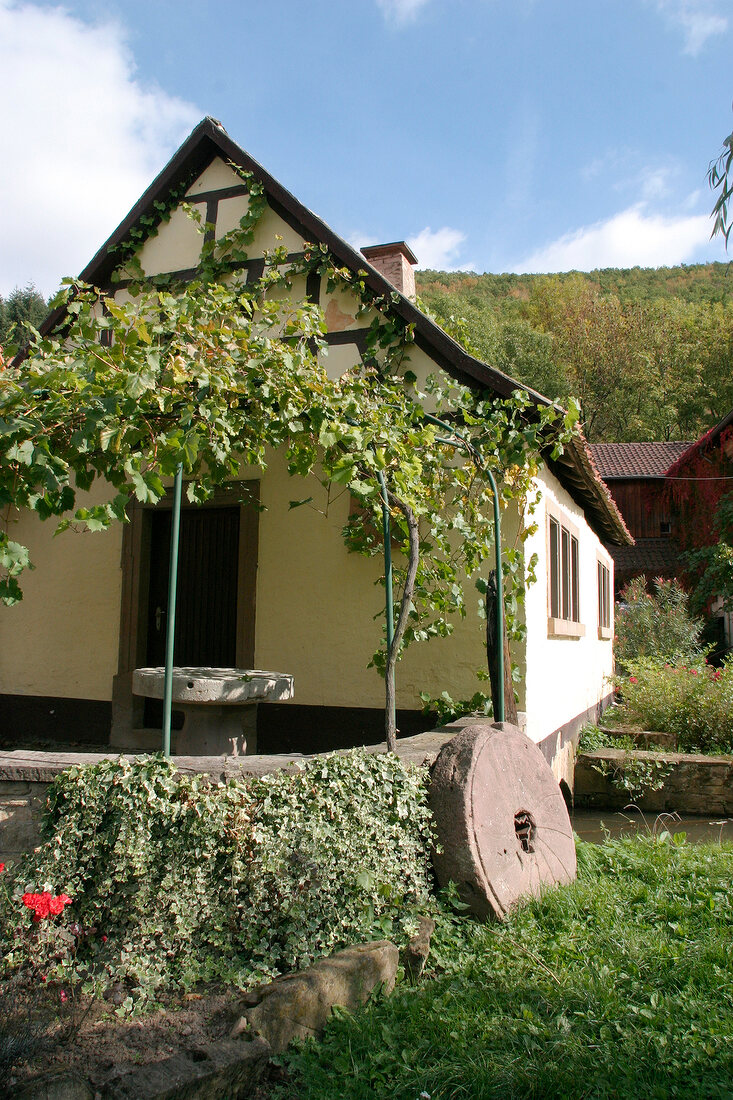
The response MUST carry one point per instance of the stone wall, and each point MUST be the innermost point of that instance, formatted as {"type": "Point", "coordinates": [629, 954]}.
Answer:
{"type": "Point", "coordinates": [694, 785]}
{"type": "Point", "coordinates": [20, 815]}
{"type": "Point", "coordinates": [25, 776]}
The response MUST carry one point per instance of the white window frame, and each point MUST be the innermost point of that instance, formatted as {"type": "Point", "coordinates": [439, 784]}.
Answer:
{"type": "Point", "coordinates": [563, 578]}
{"type": "Point", "coordinates": [605, 606]}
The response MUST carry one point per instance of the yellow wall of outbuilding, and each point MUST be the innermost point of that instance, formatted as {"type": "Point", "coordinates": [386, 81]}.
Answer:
{"type": "Point", "coordinates": [62, 638]}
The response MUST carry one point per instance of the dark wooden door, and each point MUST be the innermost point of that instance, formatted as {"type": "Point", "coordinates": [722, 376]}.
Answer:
{"type": "Point", "coordinates": [206, 606]}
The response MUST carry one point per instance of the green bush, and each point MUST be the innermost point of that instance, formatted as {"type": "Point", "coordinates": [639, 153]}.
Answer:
{"type": "Point", "coordinates": [173, 880]}
{"type": "Point", "coordinates": [656, 625]}
{"type": "Point", "coordinates": [692, 701]}
{"type": "Point", "coordinates": [631, 774]}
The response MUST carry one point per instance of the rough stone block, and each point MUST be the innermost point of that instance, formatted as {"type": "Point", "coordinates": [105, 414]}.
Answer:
{"type": "Point", "coordinates": [229, 1068]}
{"type": "Point", "coordinates": [20, 818]}
{"type": "Point", "coordinates": [694, 784]}
{"type": "Point", "coordinates": [298, 1006]}
{"type": "Point", "coordinates": [416, 953]}
{"type": "Point", "coordinates": [57, 1086]}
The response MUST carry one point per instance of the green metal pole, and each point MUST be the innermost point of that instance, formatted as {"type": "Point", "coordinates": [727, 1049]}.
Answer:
{"type": "Point", "coordinates": [387, 538]}
{"type": "Point", "coordinates": [499, 600]}
{"type": "Point", "coordinates": [170, 629]}
{"type": "Point", "coordinates": [499, 572]}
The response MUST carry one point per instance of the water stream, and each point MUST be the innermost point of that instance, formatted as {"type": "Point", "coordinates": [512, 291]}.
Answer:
{"type": "Point", "coordinates": [596, 825]}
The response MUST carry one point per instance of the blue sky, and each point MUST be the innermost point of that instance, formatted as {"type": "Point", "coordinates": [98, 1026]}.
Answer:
{"type": "Point", "coordinates": [493, 135]}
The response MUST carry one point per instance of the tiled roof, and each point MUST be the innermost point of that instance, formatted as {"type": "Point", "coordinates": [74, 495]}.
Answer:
{"type": "Point", "coordinates": [635, 459]}
{"type": "Point", "coordinates": [654, 557]}
{"type": "Point", "coordinates": [574, 466]}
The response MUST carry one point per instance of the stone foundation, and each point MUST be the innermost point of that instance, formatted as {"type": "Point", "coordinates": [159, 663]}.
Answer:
{"type": "Point", "coordinates": [20, 817]}
{"type": "Point", "coordinates": [25, 776]}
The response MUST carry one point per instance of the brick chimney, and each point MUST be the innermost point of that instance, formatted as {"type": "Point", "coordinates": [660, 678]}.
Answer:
{"type": "Point", "coordinates": [395, 261]}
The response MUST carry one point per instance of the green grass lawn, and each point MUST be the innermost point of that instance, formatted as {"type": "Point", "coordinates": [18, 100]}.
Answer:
{"type": "Point", "coordinates": [619, 985]}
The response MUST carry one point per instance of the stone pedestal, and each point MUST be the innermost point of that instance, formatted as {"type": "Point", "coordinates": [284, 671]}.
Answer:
{"type": "Point", "coordinates": [219, 705]}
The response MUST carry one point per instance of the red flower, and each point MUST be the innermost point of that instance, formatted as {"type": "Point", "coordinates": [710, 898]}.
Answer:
{"type": "Point", "coordinates": [633, 680]}
{"type": "Point", "coordinates": [2, 868]}
{"type": "Point", "coordinates": [56, 905]}
{"type": "Point", "coordinates": [45, 904]}
{"type": "Point", "coordinates": [693, 671]}
{"type": "Point", "coordinates": [104, 939]}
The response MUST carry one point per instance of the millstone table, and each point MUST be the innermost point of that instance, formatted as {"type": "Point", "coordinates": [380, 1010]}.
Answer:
{"type": "Point", "coordinates": [219, 705]}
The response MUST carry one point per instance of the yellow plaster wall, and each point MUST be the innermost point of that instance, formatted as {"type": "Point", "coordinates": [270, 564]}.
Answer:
{"type": "Point", "coordinates": [422, 366]}
{"type": "Point", "coordinates": [339, 358]}
{"type": "Point", "coordinates": [216, 177]}
{"type": "Point", "coordinates": [270, 232]}
{"type": "Point", "coordinates": [62, 639]}
{"type": "Point", "coordinates": [341, 307]}
{"type": "Point", "coordinates": [316, 604]}
{"type": "Point", "coordinates": [175, 247]}
{"type": "Point", "coordinates": [315, 611]}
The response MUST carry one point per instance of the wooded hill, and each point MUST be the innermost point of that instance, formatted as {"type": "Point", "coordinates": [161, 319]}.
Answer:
{"type": "Point", "coordinates": [648, 351]}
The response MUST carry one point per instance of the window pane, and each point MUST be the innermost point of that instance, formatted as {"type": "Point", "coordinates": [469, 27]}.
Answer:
{"type": "Point", "coordinates": [566, 608]}
{"type": "Point", "coordinates": [604, 596]}
{"type": "Point", "coordinates": [554, 569]}
{"type": "Point", "coordinates": [575, 609]}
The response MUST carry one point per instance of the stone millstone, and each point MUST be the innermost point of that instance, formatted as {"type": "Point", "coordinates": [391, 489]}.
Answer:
{"type": "Point", "coordinates": [501, 819]}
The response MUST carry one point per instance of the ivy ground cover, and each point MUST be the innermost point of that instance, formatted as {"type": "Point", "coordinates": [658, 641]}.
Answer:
{"type": "Point", "coordinates": [617, 986]}
{"type": "Point", "coordinates": [150, 880]}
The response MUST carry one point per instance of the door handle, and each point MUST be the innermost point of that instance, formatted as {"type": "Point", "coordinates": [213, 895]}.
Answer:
{"type": "Point", "coordinates": [159, 613]}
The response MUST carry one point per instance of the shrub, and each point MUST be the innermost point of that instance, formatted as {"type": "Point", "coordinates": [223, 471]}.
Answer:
{"type": "Point", "coordinates": [174, 880]}
{"type": "Point", "coordinates": [692, 701]}
{"type": "Point", "coordinates": [631, 774]}
{"type": "Point", "coordinates": [657, 625]}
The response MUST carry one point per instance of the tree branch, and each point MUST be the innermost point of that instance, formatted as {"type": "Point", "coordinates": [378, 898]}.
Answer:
{"type": "Point", "coordinates": [401, 624]}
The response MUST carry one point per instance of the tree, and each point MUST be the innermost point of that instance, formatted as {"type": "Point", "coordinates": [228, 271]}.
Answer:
{"type": "Point", "coordinates": [22, 307]}
{"type": "Point", "coordinates": [713, 565]}
{"type": "Point", "coordinates": [655, 624]}
{"type": "Point", "coordinates": [648, 352]}
{"type": "Point", "coordinates": [720, 178]}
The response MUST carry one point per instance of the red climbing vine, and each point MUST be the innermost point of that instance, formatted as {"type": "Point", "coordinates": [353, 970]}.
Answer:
{"type": "Point", "coordinates": [695, 485]}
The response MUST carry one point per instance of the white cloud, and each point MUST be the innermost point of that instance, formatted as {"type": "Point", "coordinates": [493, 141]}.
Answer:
{"type": "Point", "coordinates": [82, 136]}
{"type": "Point", "coordinates": [628, 170]}
{"type": "Point", "coordinates": [697, 19]}
{"type": "Point", "coordinates": [629, 239]}
{"type": "Point", "coordinates": [401, 12]}
{"type": "Point", "coordinates": [655, 183]}
{"type": "Point", "coordinates": [439, 249]}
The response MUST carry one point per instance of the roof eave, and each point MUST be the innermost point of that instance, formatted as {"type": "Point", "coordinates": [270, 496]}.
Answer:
{"type": "Point", "coordinates": [702, 444]}
{"type": "Point", "coordinates": [208, 140]}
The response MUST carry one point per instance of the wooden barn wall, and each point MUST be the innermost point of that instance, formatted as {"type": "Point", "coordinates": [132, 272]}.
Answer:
{"type": "Point", "coordinates": [643, 505]}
